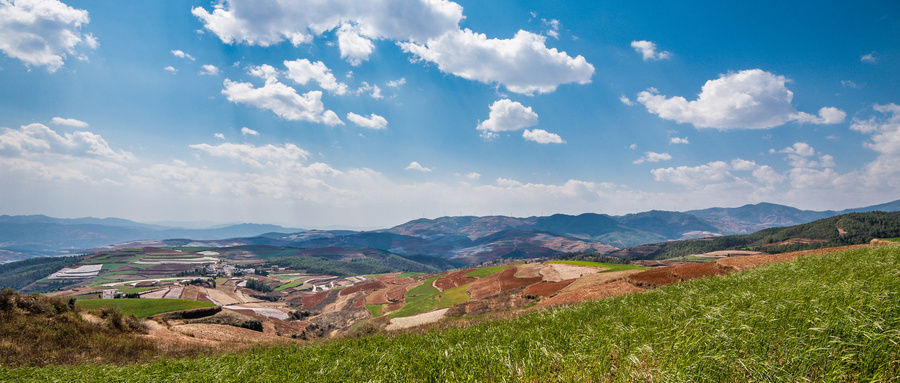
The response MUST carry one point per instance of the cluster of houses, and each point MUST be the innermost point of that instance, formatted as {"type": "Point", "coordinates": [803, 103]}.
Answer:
{"type": "Point", "coordinates": [223, 267]}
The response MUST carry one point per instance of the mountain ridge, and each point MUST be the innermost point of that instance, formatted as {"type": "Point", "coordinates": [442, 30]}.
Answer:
{"type": "Point", "coordinates": [23, 237]}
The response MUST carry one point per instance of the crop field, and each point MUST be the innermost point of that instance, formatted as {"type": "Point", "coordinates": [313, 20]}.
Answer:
{"type": "Point", "coordinates": [420, 299]}
{"type": "Point", "coordinates": [452, 297]}
{"type": "Point", "coordinates": [611, 266]}
{"type": "Point", "coordinates": [142, 307]}
{"type": "Point", "coordinates": [487, 271]}
{"type": "Point", "coordinates": [825, 317]}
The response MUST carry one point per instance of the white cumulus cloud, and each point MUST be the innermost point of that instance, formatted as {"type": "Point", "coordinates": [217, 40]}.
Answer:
{"type": "Point", "coordinates": [679, 140]}
{"type": "Point", "coordinates": [415, 166]}
{"type": "Point", "coordinates": [354, 47]}
{"type": "Point", "coordinates": [374, 121]}
{"type": "Point", "coordinates": [282, 100]}
{"type": "Point", "coordinates": [542, 136]}
{"type": "Point", "coordinates": [303, 71]}
{"type": "Point", "coordinates": [507, 115]}
{"type": "Point", "coordinates": [181, 54]}
{"type": "Point", "coordinates": [522, 64]}
{"type": "Point", "coordinates": [749, 99]}
{"type": "Point", "coordinates": [42, 33]}
{"type": "Point", "coordinates": [396, 83]}
{"type": "Point", "coordinates": [209, 70]}
{"type": "Point", "coordinates": [653, 157]}
{"type": "Point", "coordinates": [869, 58]}
{"type": "Point", "coordinates": [428, 29]}
{"type": "Point", "coordinates": [36, 140]}
{"type": "Point", "coordinates": [263, 71]}
{"type": "Point", "coordinates": [648, 51]}
{"type": "Point", "coordinates": [69, 122]}
{"type": "Point", "coordinates": [257, 156]}
{"type": "Point", "coordinates": [171, 69]}
{"type": "Point", "coordinates": [249, 132]}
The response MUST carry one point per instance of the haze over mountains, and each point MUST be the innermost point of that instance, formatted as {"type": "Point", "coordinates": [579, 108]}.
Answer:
{"type": "Point", "coordinates": [466, 239]}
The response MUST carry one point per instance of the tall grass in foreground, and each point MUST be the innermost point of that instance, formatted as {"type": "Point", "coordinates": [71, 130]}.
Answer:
{"type": "Point", "coordinates": [832, 317]}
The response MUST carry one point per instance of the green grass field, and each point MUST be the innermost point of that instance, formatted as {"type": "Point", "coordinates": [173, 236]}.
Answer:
{"type": "Point", "coordinates": [142, 307]}
{"type": "Point", "coordinates": [452, 297]}
{"type": "Point", "coordinates": [833, 317]}
{"type": "Point", "coordinates": [408, 274]}
{"type": "Point", "coordinates": [612, 266]}
{"type": "Point", "coordinates": [375, 310]}
{"type": "Point", "coordinates": [487, 271]}
{"type": "Point", "coordinates": [421, 299]}
{"type": "Point", "coordinates": [294, 283]}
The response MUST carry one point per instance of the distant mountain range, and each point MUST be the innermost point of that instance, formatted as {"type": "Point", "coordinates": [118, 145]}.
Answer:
{"type": "Point", "coordinates": [464, 239]}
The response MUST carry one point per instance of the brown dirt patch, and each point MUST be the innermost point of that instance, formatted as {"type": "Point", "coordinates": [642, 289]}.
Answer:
{"type": "Point", "coordinates": [508, 280]}
{"type": "Point", "coordinates": [377, 297]}
{"type": "Point", "coordinates": [359, 302]}
{"type": "Point", "coordinates": [697, 270]}
{"type": "Point", "coordinates": [504, 302]}
{"type": "Point", "coordinates": [653, 278]}
{"type": "Point", "coordinates": [368, 286]}
{"type": "Point", "coordinates": [547, 289]}
{"type": "Point", "coordinates": [313, 299]}
{"type": "Point", "coordinates": [454, 279]}
{"type": "Point", "coordinates": [612, 289]}
{"type": "Point", "coordinates": [224, 333]}
{"type": "Point", "coordinates": [484, 287]}
{"type": "Point", "coordinates": [385, 277]}
{"type": "Point", "coordinates": [598, 279]}
{"type": "Point", "coordinates": [555, 272]}
{"type": "Point", "coordinates": [393, 307]}
{"type": "Point", "coordinates": [530, 270]}
{"type": "Point", "coordinates": [396, 294]}
{"type": "Point", "coordinates": [190, 293]}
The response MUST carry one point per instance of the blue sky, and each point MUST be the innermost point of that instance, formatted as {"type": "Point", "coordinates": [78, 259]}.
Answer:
{"type": "Point", "coordinates": [369, 114]}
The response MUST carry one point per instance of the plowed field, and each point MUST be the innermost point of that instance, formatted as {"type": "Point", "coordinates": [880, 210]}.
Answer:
{"type": "Point", "coordinates": [696, 270]}
{"type": "Point", "coordinates": [611, 289]}
{"type": "Point", "coordinates": [454, 279]}
{"type": "Point", "coordinates": [547, 289]}
{"type": "Point", "coordinates": [653, 278]}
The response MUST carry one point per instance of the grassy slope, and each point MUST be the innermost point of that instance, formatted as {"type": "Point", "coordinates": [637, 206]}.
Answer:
{"type": "Point", "coordinates": [834, 317]}
{"type": "Point", "coordinates": [488, 271]}
{"type": "Point", "coordinates": [420, 299]}
{"type": "Point", "coordinates": [142, 307]}
{"type": "Point", "coordinates": [612, 266]}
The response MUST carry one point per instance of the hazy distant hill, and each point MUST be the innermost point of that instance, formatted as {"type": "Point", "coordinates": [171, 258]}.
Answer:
{"type": "Point", "coordinates": [751, 218]}
{"type": "Point", "coordinates": [24, 237]}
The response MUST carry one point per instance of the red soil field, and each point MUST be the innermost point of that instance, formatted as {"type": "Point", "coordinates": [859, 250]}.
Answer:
{"type": "Point", "coordinates": [378, 297]}
{"type": "Point", "coordinates": [360, 302]}
{"type": "Point", "coordinates": [368, 286]}
{"type": "Point", "coordinates": [611, 289]}
{"type": "Point", "coordinates": [454, 279]}
{"type": "Point", "coordinates": [546, 289]}
{"type": "Point", "coordinates": [314, 299]}
{"type": "Point", "coordinates": [653, 278]}
{"type": "Point", "coordinates": [386, 277]}
{"type": "Point", "coordinates": [508, 280]}
{"type": "Point", "coordinates": [484, 287]}
{"type": "Point", "coordinates": [393, 307]}
{"type": "Point", "coordinates": [396, 294]}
